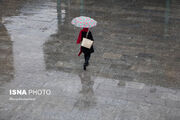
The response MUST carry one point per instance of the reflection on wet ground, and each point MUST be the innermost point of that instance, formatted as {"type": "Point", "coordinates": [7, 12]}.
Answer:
{"type": "Point", "coordinates": [133, 74]}
{"type": "Point", "coordinates": [6, 56]}
{"type": "Point", "coordinates": [87, 98]}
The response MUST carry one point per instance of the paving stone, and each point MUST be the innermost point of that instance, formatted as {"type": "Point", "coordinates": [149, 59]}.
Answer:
{"type": "Point", "coordinates": [111, 55]}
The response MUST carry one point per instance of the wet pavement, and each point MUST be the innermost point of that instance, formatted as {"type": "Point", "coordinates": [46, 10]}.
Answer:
{"type": "Point", "coordinates": [133, 74]}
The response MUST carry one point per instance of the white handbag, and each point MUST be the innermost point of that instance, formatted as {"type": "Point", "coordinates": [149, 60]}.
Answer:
{"type": "Point", "coordinates": [87, 43]}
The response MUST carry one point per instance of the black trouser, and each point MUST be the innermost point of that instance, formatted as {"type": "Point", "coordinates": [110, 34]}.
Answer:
{"type": "Point", "coordinates": [87, 57]}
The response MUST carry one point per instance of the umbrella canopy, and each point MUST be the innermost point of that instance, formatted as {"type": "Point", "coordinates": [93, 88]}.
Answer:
{"type": "Point", "coordinates": [85, 22]}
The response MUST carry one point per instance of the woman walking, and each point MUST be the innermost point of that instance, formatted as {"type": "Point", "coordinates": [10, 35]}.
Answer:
{"type": "Point", "coordinates": [85, 33]}
{"type": "Point", "coordinates": [85, 36]}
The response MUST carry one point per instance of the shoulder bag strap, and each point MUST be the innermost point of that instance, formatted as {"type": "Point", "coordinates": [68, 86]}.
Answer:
{"type": "Point", "coordinates": [87, 34]}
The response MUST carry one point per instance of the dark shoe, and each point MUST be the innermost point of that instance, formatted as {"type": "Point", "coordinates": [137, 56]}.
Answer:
{"type": "Point", "coordinates": [84, 67]}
